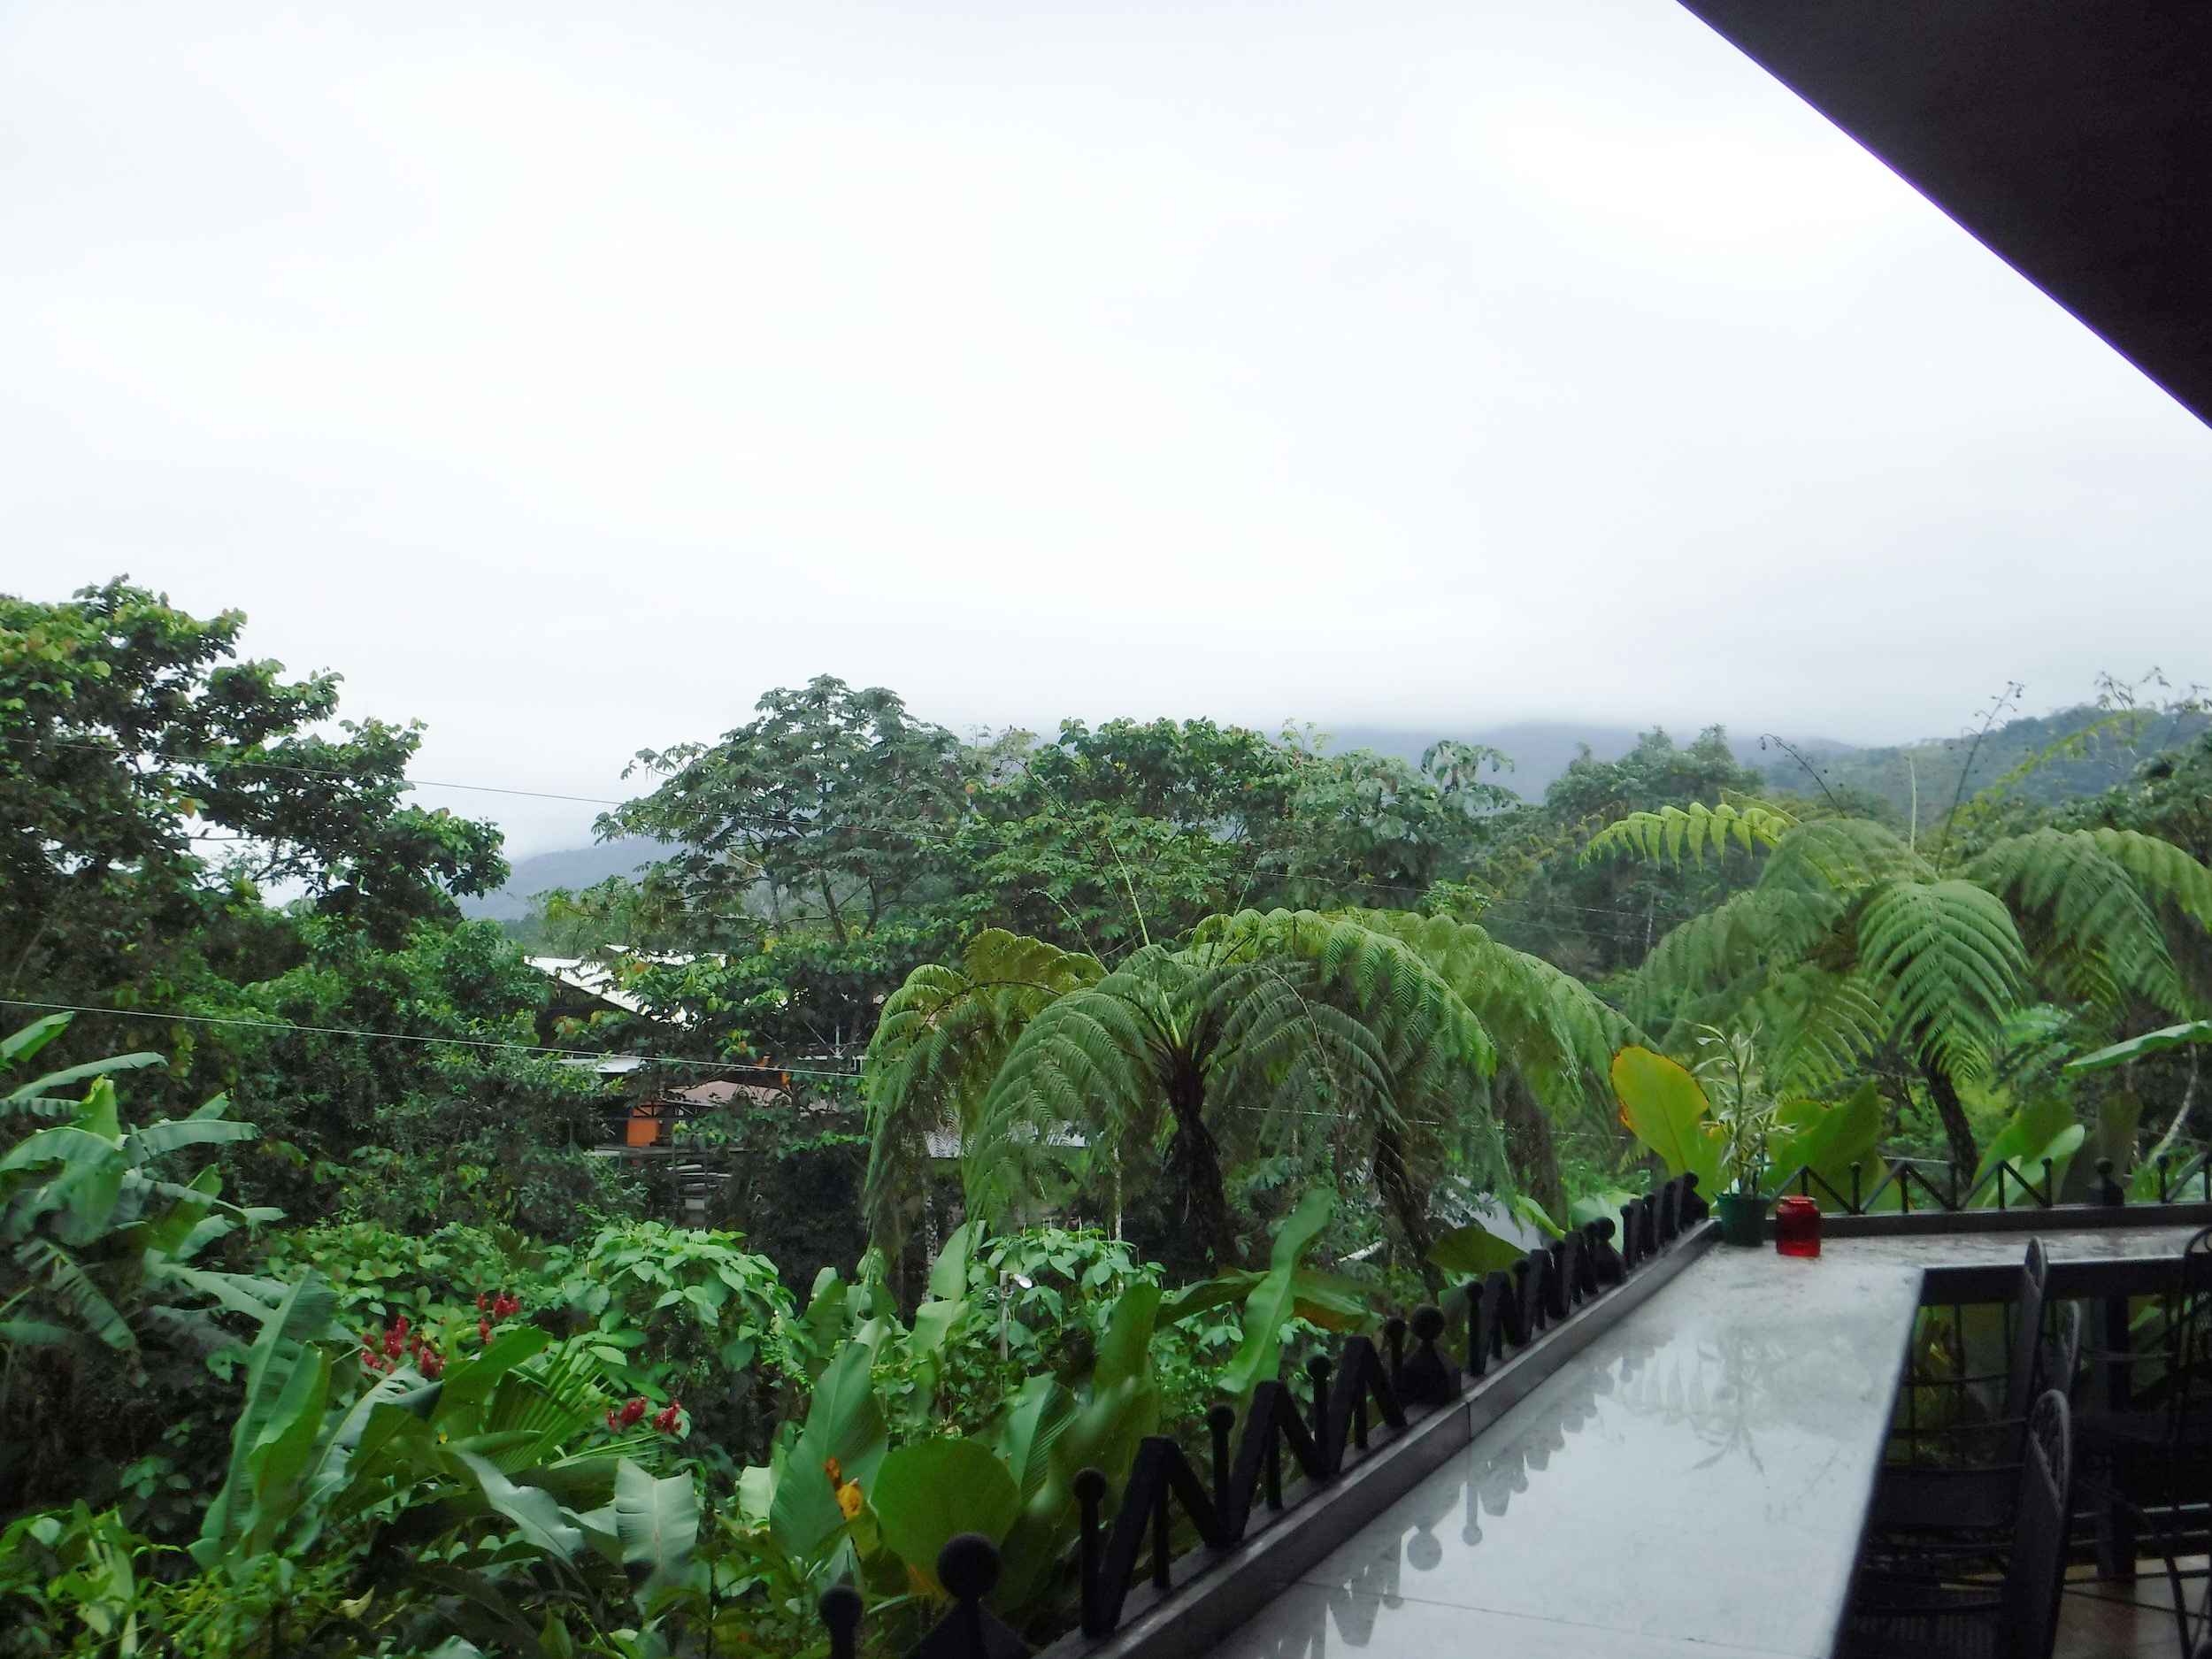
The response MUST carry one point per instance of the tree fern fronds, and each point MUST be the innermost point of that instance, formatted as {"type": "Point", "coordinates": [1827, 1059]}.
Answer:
{"type": "Point", "coordinates": [1547, 1023]}
{"type": "Point", "coordinates": [939, 1045]}
{"type": "Point", "coordinates": [1744, 933]}
{"type": "Point", "coordinates": [1841, 856]}
{"type": "Point", "coordinates": [1664, 836]}
{"type": "Point", "coordinates": [2166, 875]}
{"type": "Point", "coordinates": [1950, 962]}
{"type": "Point", "coordinates": [1819, 1025]}
{"type": "Point", "coordinates": [2102, 932]}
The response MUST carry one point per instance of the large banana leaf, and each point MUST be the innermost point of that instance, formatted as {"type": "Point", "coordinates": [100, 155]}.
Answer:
{"type": "Point", "coordinates": [1828, 1140]}
{"type": "Point", "coordinates": [844, 1423]}
{"type": "Point", "coordinates": [1273, 1300]}
{"type": "Point", "coordinates": [1663, 1105]}
{"type": "Point", "coordinates": [285, 1343]}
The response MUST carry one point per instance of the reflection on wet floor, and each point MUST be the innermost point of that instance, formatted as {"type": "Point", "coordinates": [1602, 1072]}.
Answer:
{"type": "Point", "coordinates": [1748, 1398]}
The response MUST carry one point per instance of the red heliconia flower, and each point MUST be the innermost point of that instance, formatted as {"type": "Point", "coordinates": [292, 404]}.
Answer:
{"type": "Point", "coordinates": [480, 1302]}
{"type": "Point", "coordinates": [506, 1307]}
{"type": "Point", "coordinates": [632, 1410]}
{"type": "Point", "coordinates": [484, 1332]}
{"type": "Point", "coordinates": [664, 1421]}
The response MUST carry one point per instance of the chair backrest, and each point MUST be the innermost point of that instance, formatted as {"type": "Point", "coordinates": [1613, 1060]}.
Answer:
{"type": "Point", "coordinates": [2060, 1364]}
{"type": "Point", "coordinates": [2189, 1353]}
{"type": "Point", "coordinates": [2027, 1335]}
{"type": "Point", "coordinates": [2038, 1570]}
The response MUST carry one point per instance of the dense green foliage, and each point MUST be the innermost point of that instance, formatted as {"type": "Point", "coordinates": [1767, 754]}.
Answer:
{"type": "Point", "coordinates": [1058, 1089]}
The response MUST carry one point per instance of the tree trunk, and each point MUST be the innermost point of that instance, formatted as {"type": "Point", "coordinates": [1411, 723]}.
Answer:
{"type": "Point", "coordinates": [1951, 1111]}
{"type": "Point", "coordinates": [1528, 1142]}
{"type": "Point", "coordinates": [1194, 1169]}
{"type": "Point", "coordinates": [1395, 1182]}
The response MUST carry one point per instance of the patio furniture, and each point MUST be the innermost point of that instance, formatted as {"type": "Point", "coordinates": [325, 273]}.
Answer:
{"type": "Point", "coordinates": [2147, 1464]}
{"type": "Point", "coordinates": [1941, 1612]}
{"type": "Point", "coordinates": [1974, 1491]}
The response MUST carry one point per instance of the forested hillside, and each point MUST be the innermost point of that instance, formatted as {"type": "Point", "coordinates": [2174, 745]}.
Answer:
{"type": "Point", "coordinates": [1060, 1087]}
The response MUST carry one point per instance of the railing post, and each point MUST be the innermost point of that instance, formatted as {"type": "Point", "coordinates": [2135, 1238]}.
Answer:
{"type": "Point", "coordinates": [2109, 1192]}
{"type": "Point", "coordinates": [1857, 1203]}
{"type": "Point", "coordinates": [1162, 1521]}
{"type": "Point", "coordinates": [1219, 1420]}
{"type": "Point", "coordinates": [1318, 1369]}
{"type": "Point", "coordinates": [968, 1566]}
{"type": "Point", "coordinates": [1395, 1344]}
{"type": "Point", "coordinates": [1090, 1494]}
{"type": "Point", "coordinates": [1476, 1358]}
{"type": "Point", "coordinates": [840, 1608]}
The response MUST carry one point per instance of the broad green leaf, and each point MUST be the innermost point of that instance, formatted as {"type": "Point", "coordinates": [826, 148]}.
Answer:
{"type": "Point", "coordinates": [2149, 1042]}
{"type": "Point", "coordinates": [1039, 1412]}
{"type": "Point", "coordinates": [1663, 1106]}
{"type": "Point", "coordinates": [283, 1450]}
{"type": "Point", "coordinates": [54, 1082]}
{"type": "Point", "coordinates": [21, 1045]}
{"type": "Point", "coordinates": [1272, 1300]}
{"type": "Point", "coordinates": [1829, 1140]}
{"type": "Point", "coordinates": [844, 1422]}
{"type": "Point", "coordinates": [537, 1515]}
{"type": "Point", "coordinates": [156, 1138]}
{"type": "Point", "coordinates": [929, 1492]}
{"type": "Point", "coordinates": [1471, 1251]}
{"type": "Point", "coordinates": [303, 1318]}
{"type": "Point", "coordinates": [1125, 1352]}
{"type": "Point", "coordinates": [657, 1522]}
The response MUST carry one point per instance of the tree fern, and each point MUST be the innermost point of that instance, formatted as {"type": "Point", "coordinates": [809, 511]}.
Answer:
{"type": "Point", "coordinates": [1665, 836]}
{"type": "Point", "coordinates": [1272, 1030]}
{"type": "Point", "coordinates": [941, 1039]}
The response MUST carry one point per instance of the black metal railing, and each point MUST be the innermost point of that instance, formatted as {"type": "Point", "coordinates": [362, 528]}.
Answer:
{"type": "Point", "coordinates": [1936, 1185]}
{"type": "Point", "coordinates": [1323, 1435]}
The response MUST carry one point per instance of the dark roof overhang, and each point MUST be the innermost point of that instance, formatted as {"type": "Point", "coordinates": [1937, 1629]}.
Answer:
{"type": "Point", "coordinates": [2072, 137]}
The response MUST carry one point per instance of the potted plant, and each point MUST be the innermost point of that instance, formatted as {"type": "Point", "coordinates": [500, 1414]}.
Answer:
{"type": "Point", "coordinates": [1735, 1083]}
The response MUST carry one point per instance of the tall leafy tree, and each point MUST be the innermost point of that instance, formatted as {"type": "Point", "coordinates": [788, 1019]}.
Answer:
{"type": "Point", "coordinates": [146, 772]}
{"type": "Point", "coordinates": [831, 807]}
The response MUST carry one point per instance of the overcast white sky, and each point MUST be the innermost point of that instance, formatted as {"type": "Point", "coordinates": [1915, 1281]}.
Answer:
{"type": "Point", "coordinates": [565, 376]}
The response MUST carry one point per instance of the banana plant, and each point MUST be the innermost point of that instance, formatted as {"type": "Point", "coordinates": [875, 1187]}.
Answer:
{"type": "Point", "coordinates": [97, 1245]}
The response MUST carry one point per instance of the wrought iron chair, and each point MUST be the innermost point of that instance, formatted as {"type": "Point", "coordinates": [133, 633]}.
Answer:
{"type": "Point", "coordinates": [1975, 1494]}
{"type": "Point", "coordinates": [2147, 1464]}
{"type": "Point", "coordinates": [1964, 1611]}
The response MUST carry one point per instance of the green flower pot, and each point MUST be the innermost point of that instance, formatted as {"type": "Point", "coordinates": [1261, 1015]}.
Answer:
{"type": "Point", "coordinates": [1742, 1219]}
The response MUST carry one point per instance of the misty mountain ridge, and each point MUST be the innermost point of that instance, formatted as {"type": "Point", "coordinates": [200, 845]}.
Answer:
{"type": "Point", "coordinates": [1923, 776]}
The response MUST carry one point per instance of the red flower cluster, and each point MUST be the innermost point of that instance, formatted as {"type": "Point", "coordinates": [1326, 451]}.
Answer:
{"type": "Point", "coordinates": [626, 1416]}
{"type": "Point", "coordinates": [495, 1307]}
{"type": "Point", "coordinates": [384, 1353]}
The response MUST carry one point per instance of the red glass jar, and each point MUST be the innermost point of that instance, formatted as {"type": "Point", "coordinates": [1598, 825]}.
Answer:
{"type": "Point", "coordinates": [1797, 1226]}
